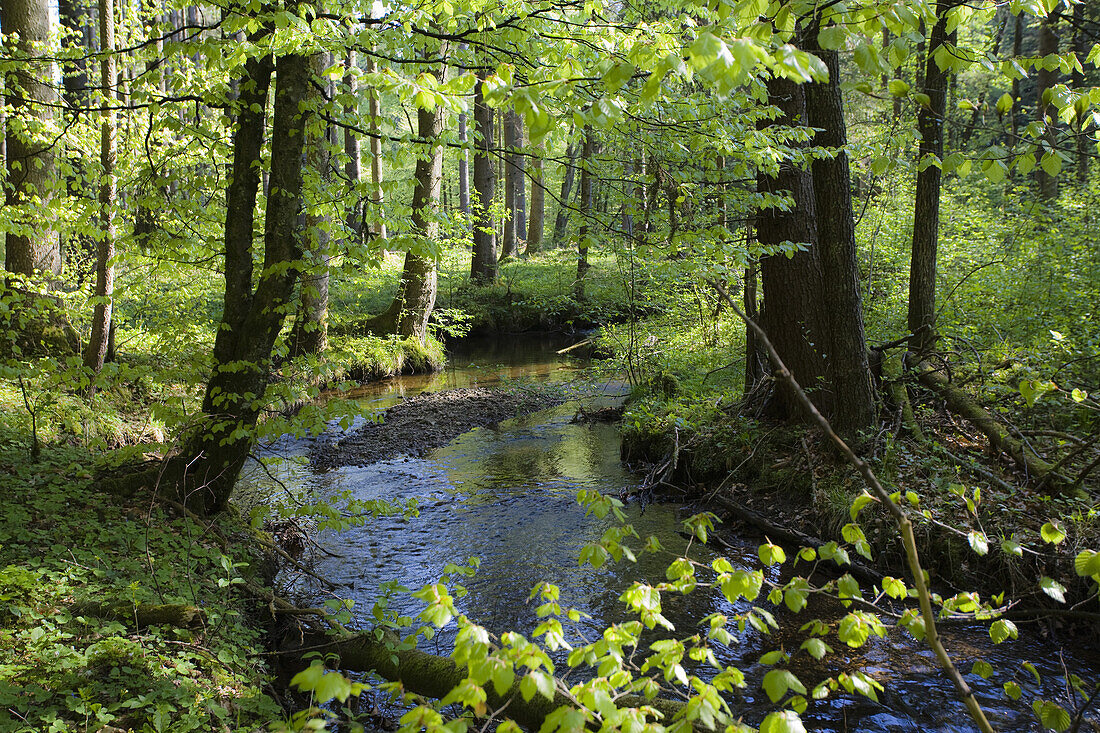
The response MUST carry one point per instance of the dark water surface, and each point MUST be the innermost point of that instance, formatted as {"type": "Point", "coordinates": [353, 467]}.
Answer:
{"type": "Point", "coordinates": [508, 498]}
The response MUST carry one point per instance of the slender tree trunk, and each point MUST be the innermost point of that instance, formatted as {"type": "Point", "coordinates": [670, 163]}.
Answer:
{"type": "Point", "coordinates": [509, 245]}
{"type": "Point", "coordinates": [408, 315]}
{"type": "Point", "coordinates": [792, 285]}
{"type": "Point", "coordinates": [310, 333]}
{"type": "Point", "coordinates": [1081, 46]}
{"type": "Point", "coordinates": [375, 112]}
{"type": "Point", "coordinates": [848, 371]}
{"type": "Point", "coordinates": [926, 212]}
{"type": "Point", "coordinates": [108, 194]}
{"type": "Point", "coordinates": [483, 266]}
{"type": "Point", "coordinates": [463, 168]}
{"type": "Point", "coordinates": [74, 19]}
{"type": "Point", "coordinates": [561, 221]}
{"type": "Point", "coordinates": [353, 149]}
{"type": "Point", "coordinates": [587, 156]}
{"type": "Point", "coordinates": [519, 195]}
{"type": "Point", "coordinates": [538, 204]}
{"type": "Point", "coordinates": [1017, 50]}
{"type": "Point", "coordinates": [32, 174]}
{"type": "Point", "coordinates": [1046, 79]}
{"type": "Point", "coordinates": [754, 360]}
{"type": "Point", "coordinates": [205, 472]}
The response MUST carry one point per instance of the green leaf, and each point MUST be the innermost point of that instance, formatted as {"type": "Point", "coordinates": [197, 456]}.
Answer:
{"type": "Point", "coordinates": [858, 503]}
{"type": "Point", "coordinates": [1051, 163]}
{"type": "Point", "coordinates": [978, 542]}
{"type": "Point", "coordinates": [1053, 588]}
{"type": "Point", "coordinates": [832, 38]}
{"type": "Point", "coordinates": [785, 721]}
{"type": "Point", "coordinates": [1052, 532]}
{"type": "Point", "coordinates": [1012, 689]}
{"type": "Point", "coordinates": [771, 554]}
{"type": "Point", "coordinates": [1004, 104]}
{"type": "Point", "coordinates": [778, 681]}
{"type": "Point", "coordinates": [1078, 395]}
{"type": "Point", "coordinates": [983, 669]}
{"type": "Point", "coordinates": [1011, 547]}
{"type": "Point", "coordinates": [898, 88]}
{"type": "Point", "coordinates": [1087, 563]}
{"type": "Point", "coordinates": [816, 647]}
{"type": "Point", "coordinates": [1002, 630]}
{"type": "Point", "coordinates": [1052, 715]}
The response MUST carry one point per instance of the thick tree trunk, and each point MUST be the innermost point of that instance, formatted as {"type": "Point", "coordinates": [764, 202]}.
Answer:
{"type": "Point", "coordinates": [483, 265]}
{"type": "Point", "coordinates": [926, 210]}
{"type": "Point", "coordinates": [310, 334]}
{"type": "Point", "coordinates": [73, 16]}
{"type": "Point", "coordinates": [1046, 79]}
{"type": "Point", "coordinates": [538, 205]}
{"type": "Point", "coordinates": [561, 221]}
{"type": "Point", "coordinates": [587, 156]}
{"type": "Point", "coordinates": [353, 149]}
{"type": "Point", "coordinates": [848, 371]}
{"type": "Point", "coordinates": [375, 112]}
{"type": "Point", "coordinates": [205, 472]}
{"type": "Point", "coordinates": [32, 174]}
{"type": "Point", "coordinates": [792, 285]}
{"type": "Point", "coordinates": [108, 195]}
{"type": "Point", "coordinates": [412, 306]}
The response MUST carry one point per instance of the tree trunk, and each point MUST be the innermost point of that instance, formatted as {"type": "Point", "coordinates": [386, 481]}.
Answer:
{"type": "Point", "coordinates": [408, 315]}
{"type": "Point", "coordinates": [205, 472]}
{"type": "Point", "coordinates": [1046, 79]}
{"type": "Point", "coordinates": [74, 19]}
{"type": "Point", "coordinates": [561, 221]}
{"type": "Point", "coordinates": [108, 194]}
{"type": "Point", "coordinates": [483, 266]}
{"type": "Point", "coordinates": [375, 113]}
{"type": "Point", "coordinates": [754, 359]}
{"type": "Point", "coordinates": [538, 204]}
{"type": "Point", "coordinates": [509, 245]}
{"type": "Point", "coordinates": [792, 285]}
{"type": "Point", "coordinates": [926, 210]}
{"type": "Point", "coordinates": [847, 369]}
{"type": "Point", "coordinates": [463, 168]}
{"type": "Point", "coordinates": [586, 212]}
{"type": "Point", "coordinates": [353, 149]}
{"type": "Point", "coordinates": [1017, 50]}
{"type": "Point", "coordinates": [1081, 46]}
{"type": "Point", "coordinates": [32, 175]}
{"type": "Point", "coordinates": [310, 334]}
{"type": "Point", "coordinates": [519, 195]}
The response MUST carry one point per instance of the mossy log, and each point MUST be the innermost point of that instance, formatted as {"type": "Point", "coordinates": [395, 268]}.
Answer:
{"type": "Point", "coordinates": [895, 387]}
{"type": "Point", "coordinates": [435, 676]}
{"type": "Point", "coordinates": [142, 614]}
{"type": "Point", "coordinates": [965, 407]}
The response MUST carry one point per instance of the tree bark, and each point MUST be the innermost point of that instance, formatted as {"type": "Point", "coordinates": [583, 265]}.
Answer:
{"type": "Point", "coordinates": [792, 284]}
{"type": "Point", "coordinates": [483, 265]}
{"type": "Point", "coordinates": [519, 195]}
{"type": "Point", "coordinates": [587, 155]}
{"type": "Point", "coordinates": [204, 473]}
{"type": "Point", "coordinates": [926, 210]}
{"type": "Point", "coordinates": [108, 195]}
{"type": "Point", "coordinates": [1046, 79]}
{"type": "Point", "coordinates": [310, 333]}
{"type": "Point", "coordinates": [509, 245]}
{"type": "Point", "coordinates": [463, 168]}
{"type": "Point", "coordinates": [353, 149]}
{"type": "Point", "coordinates": [538, 205]}
{"type": "Point", "coordinates": [408, 315]}
{"type": "Point", "coordinates": [32, 174]}
{"type": "Point", "coordinates": [375, 113]}
{"type": "Point", "coordinates": [73, 16]}
{"type": "Point", "coordinates": [848, 371]}
{"type": "Point", "coordinates": [1081, 138]}
{"type": "Point", "coordinates": [561, 221]}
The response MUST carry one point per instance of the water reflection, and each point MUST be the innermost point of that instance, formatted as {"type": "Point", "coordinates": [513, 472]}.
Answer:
{"type": "Point", "coordinates": [507, 497]}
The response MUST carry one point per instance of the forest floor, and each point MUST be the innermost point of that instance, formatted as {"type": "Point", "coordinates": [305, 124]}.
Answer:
{"type": "Point", "coordinates": [418, 425]}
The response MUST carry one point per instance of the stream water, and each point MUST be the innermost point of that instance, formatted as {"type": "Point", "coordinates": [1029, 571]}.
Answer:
{"type": "Point", "coordinates": [507, 497]}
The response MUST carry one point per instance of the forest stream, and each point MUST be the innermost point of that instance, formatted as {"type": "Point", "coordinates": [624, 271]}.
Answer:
{"type": "Point", "coordinates": [507, 496]}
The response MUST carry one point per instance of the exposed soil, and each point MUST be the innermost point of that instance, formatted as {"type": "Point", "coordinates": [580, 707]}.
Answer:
{"type": "Point", "coordinates": [418, 425]}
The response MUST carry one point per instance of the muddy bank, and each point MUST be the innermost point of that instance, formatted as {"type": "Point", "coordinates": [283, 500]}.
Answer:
{"type": "Point", "coordinates": [418, 425]}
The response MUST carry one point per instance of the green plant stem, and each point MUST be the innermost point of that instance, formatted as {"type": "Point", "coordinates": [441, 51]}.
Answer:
{"type": "Point", "coordinates": [905, 526]}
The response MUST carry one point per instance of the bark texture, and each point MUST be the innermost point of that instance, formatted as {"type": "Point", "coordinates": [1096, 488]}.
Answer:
{"type": "Point", "coordinates": [1046, 79]}
{"type": "Point", "coordinates": [561, 221]}
{"type": "Point", "coordinates": [586, 211]}
{"type": "Point", "coordinates": [375, 111]}
{"type": "Point", "coordinates": [483, 266]}
{"type": "Point", "coordinates": [204, 473]}
{"type": "Point", "coordinates": [848, 372]}
{"type": "Point", "coordinates": [536, 220]}
{"type": "Point", "coordinates": [926, 210]}
{"type": "Point", "coordinates": [32, 174]}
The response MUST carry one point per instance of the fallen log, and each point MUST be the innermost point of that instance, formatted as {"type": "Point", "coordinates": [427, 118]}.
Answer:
{"type": "Point", "coordinates": [435, 676]}
{"type": "Point", "coordinates": [962, 405]}
{"type": "Point", "coordinates": [142, 614]}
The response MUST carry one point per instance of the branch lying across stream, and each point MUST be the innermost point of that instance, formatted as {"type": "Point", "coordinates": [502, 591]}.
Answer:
{"type": "Point", "coordinates": [905, 526]}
